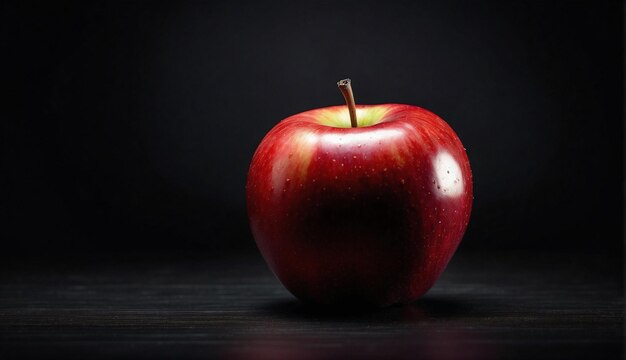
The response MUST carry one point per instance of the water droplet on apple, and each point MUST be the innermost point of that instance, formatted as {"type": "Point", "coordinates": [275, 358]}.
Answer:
{"type": "Point", "coordinates": [359, 145]}
{"type": "Point", "coordinates": [385, 169]}
{"type": "Point", "coordinates": [341, 164]}
{"type": "Point", "coordinates": [288, 180]}
{"type": "Point", "coordinates": [354, 156]}
{"type": "Point", "coordinates": [402, 181]}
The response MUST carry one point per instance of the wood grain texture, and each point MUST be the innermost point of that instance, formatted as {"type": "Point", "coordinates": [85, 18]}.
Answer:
{"type": "Point", "coordinates": [486, 306]}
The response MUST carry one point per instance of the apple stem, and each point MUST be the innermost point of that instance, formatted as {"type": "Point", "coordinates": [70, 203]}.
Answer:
{"type": "Point", "coordinates": [346, 90]}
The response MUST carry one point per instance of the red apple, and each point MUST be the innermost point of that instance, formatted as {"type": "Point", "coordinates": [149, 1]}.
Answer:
{"type": "Point", "coordinates": [366, 215]}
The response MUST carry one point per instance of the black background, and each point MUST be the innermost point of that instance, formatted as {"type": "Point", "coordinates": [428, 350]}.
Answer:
{"type": "Point", "coordinates": [129, 126]}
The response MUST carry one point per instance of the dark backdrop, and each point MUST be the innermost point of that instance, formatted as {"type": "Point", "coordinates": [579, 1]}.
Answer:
{"type": "Point", "coordinates": [128, 126]}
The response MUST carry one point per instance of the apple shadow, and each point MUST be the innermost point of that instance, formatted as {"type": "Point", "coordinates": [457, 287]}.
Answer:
{"type": "Point", "coordinates": [426, 309]}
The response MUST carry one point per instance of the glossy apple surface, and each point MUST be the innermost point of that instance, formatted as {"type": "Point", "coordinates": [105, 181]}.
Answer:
{"type": "Point", "coordinates": [366, 216]}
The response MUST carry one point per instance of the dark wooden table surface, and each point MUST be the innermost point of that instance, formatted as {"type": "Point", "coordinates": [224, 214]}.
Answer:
{"type": "Point", "coordinates": [486, 306]}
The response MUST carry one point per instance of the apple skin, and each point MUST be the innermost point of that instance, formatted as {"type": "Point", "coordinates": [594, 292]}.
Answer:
{"type": "Point", "coordinates": [366, 216]}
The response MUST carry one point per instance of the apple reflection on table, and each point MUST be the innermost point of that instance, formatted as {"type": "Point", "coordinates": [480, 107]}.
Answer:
{"type": "Point", "coordinates": [425, 330]}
